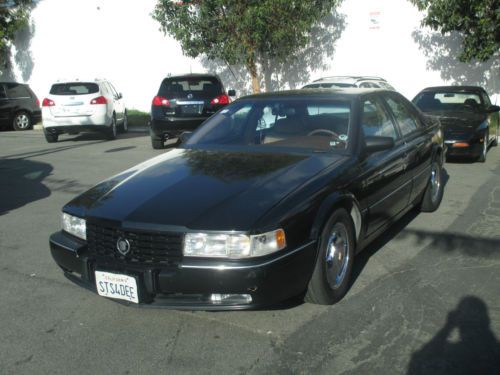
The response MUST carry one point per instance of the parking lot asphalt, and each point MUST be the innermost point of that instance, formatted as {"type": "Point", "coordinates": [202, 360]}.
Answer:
{"type": "Point", "coordinates": [425, 298]}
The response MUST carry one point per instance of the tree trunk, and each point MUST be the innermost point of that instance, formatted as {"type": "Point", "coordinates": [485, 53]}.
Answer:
{"type": "Point", "coordinates": [252, 69]}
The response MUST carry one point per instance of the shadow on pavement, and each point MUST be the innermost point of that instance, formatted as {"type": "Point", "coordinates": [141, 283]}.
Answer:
{"type": "Point", "coordinates": [21, 183]}
{"type": "Point", "coordinates": [465, 345]}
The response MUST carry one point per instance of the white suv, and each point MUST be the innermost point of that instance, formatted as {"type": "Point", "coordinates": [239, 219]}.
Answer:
{"type": "Point", "coordinates": [349, 81]}
{"type": "Point", "coordinates": [76, 106]}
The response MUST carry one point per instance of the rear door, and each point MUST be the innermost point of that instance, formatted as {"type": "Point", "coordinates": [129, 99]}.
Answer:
{"type": "Point", "coordinates": [417, 140]}
{"type": "Point", "coordinates": [73, 99]}
{"type": "Point", "coordinates": [386, 185]}
{"type": "Point", "coordinates": [5, 109]}
{"type": "Point", "coordinates": [119, 107]}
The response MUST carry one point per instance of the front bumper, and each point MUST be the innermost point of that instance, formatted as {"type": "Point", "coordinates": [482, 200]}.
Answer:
{"type": "Point", "coordinates": [190, 284]}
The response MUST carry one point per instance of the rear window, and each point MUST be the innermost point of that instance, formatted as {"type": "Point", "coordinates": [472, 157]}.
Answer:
{"type": "Point", "coordinates": [77, 88]}
{"type": "Point", "coordinates": [207, 85]}
{"type": "Point", "coordinates": [15, 90]}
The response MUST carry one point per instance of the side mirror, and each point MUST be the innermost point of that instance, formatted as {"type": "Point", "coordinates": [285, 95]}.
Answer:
{"type": "Point", "coordinates": [231, 93]}
{"type": "Point", "coordinates": [185, 136]}
{"type": "Point", "coordinates": [374, 144]}
{"type": "Point", "coordinates": [492, 109]}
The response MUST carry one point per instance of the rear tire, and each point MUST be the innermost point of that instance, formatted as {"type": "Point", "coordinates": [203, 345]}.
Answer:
{"type": "Point", "coordinates": [330, 279]}
{"type": "Point", "coordinates": [435, 189]}
{"type": "Point", "coordinates": [21, 121]}
{"type": "Point", "coordinates": [156, 141]}
{"type": "Point", "coordinates": [112, 131]}
{"type": "Point", "coordinates": [51, 138]}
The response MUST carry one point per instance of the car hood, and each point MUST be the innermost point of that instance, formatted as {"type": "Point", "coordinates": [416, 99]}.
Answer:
{"type": "Point", "coordinates": [461, 121]}
{"type": "Point", "coordinates": [199, 189]}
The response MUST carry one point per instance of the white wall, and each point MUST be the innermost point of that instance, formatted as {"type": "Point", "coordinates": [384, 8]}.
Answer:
{"type": "Point", "coordinates": [119, 40]}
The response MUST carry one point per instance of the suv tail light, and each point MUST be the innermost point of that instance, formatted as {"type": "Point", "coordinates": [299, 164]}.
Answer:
{"type": "Point", "coordinates": [48, 103]}
{"type": "Point", "coordinates": [99, 100]}
{"type": "Point", "coordinates": [160, 101]}
{"type": "Point", "coordinates": [37, 102]}
{"type": "Point", "coordinates": [221, 99]}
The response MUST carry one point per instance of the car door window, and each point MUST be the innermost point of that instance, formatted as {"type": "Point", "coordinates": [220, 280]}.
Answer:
{"type": "Point", "coordinates": [2, 92]}
{"type": "Point", "coordinates": [375, 120]}
{"type": "Point", "coordinates": [407, 121]}
{"type": "Point", "coordinates": [113, 90]}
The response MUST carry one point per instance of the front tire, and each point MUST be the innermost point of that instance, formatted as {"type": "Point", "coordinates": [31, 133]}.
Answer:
{"type": "Point", "coordinates": [21, 121]}
{"type": "Point", "coordinates": [330, 279]}
{"type": "Point", "coordinates": [124, 127]}
{"type": "Point", "coordinates": [434, 190]}
{"type": "Point", "coordinates": [484, 151]}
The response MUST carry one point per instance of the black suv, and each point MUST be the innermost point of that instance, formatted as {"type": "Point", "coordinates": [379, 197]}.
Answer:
{"type": "Point", "coordinates": [183, 103]}
{"type": "Point", "coordinates": [19, 106]}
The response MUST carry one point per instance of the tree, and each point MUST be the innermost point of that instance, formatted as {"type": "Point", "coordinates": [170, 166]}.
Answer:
{"type": "Point", "coordinates": [242, 32]}
{"type": "Point", "coordinates": [477, 20]}
{"type": "Point", "coordinates": [14, 15]}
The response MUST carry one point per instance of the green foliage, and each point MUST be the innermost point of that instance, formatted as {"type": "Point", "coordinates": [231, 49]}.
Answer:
{"type": "Point", "coordinates": [137, 118]}
{"type": "Point", "coordinates": [241, 32]}
{"type": "Point", "coordinates": [14, 14]}
{"type": "Point", "coordinates": [477, 20]}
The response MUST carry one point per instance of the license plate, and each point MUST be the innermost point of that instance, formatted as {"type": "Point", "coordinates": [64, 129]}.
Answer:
{"type": "Point", "coordinates": [192, 109]}
{"type": "Point", "coordinates": [117, 286]}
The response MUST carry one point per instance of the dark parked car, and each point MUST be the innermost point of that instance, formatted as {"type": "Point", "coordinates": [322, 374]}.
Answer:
{"type": "Point", "coordinates": [19, 106]}
{"type": "Point", "coordinates": [183, 103]}
{"type": "Point", "coordinates": [469, 120]}
{"type": "Point", "coordinates": [272, 197]}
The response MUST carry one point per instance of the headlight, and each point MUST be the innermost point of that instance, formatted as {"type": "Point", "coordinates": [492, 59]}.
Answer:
{"type": "Point", "coordinates": [74, 225]}
{"type": "Point", "coordinates": [236, 246]}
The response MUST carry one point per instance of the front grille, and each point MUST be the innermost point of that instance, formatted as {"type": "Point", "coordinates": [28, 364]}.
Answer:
{"type": "Point", "coordinates": [145, 247]}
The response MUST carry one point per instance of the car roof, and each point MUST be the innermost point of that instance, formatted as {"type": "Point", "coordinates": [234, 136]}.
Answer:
{"type": "Point", "coordinates": [339, 93]}
{"type": "Point", "coordinates": [348, 79]}
{"type": "Point", "coordinates": [454, 88]}
{"type": "Point", "coordinates": [193, 75]}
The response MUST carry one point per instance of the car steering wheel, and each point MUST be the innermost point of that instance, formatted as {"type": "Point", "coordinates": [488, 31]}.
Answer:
{"type": "Point", "coordinates": [323, 131]}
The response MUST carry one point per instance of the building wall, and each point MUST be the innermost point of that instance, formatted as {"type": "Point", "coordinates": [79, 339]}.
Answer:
{"type": "Point", "coordinates": [119, 40]}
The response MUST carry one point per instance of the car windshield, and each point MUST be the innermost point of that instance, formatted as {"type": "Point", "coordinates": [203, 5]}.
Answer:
{"type": "Point", "coordinates": [303, 124]}
{"type": "Point", "coordinates": [448, 102]}
{"type": "Point", "coordinates": [75, 88]}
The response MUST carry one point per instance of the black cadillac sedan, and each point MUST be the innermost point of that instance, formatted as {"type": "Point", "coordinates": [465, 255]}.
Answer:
{"type": "Point", "coordinates": [271, 198]}
{"type": "Point", "coordinates": [469, 120]}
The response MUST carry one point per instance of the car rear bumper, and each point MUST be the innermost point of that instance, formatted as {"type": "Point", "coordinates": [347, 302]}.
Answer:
{"type": "Point", "coordinates": [193, 283]}
{"type": "Point", "coordinates": [457, 149]}
{"type": "Point", "coordinates": [95, 120]}
{"type": "Point", "coordinates": [171, 127]}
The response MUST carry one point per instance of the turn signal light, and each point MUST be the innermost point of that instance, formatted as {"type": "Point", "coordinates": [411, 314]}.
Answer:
{"type": "Point", "coordinates": [221, 99]}
{"type": "Point", "coordinates": [159, 101]}
{"type": "Point", "coordinates": [48, 103]}
{"type": "Point", "coordinates": [99, 100]}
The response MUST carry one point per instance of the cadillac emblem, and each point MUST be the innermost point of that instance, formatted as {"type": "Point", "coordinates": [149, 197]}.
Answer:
{"type": "Point", "coordinates": [123, 246]}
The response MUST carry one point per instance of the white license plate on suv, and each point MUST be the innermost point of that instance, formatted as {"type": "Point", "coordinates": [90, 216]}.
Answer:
{"type": "Point", "coordinates": [117, 286]}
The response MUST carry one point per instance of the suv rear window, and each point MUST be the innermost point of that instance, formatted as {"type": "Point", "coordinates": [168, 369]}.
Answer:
{"type": "Point", "coordinates": [15, 90]}
{"type": "Point", "coordinates": [77, 88]}
{"type": "Point", "coordinates": [208, 85]}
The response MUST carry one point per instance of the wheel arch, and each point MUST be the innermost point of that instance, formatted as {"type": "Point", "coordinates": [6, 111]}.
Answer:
{"type": "Point", "coordinates": [335, 201]}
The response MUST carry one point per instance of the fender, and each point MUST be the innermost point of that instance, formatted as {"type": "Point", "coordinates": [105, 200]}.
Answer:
{"type": "Point", "coordinates": [335, 200]}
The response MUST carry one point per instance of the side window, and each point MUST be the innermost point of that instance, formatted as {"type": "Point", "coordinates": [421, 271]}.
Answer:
{"type": "Point", "coordinates": [407, 121]}
{"type": "Point", "coordinates": [113, 90]}
{"type": "Point", "coordinates": [17, 91]}
{"type": "Point", "coordinates": [2, 92]}
{"type": "Point", "coordinates": [375, 121]}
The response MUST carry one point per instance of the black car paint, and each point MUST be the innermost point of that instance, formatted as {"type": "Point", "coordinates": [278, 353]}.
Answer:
{"type": "Point", "coordinates": [253, 192]}
{"type": "Point", "coordinates": [465, 126]}
{"type": "Point", "coordinates": [12, 105]}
